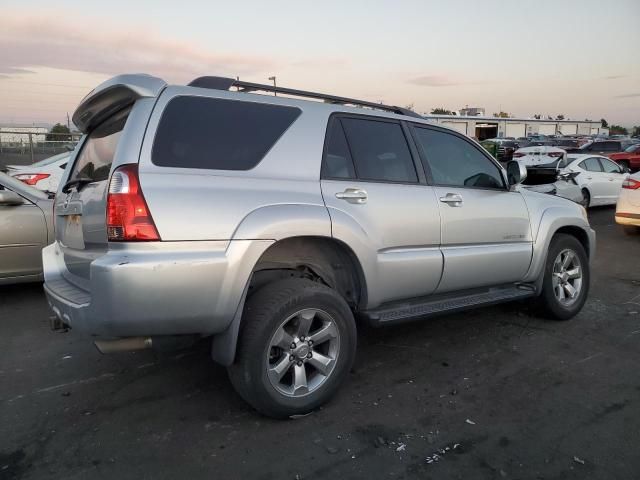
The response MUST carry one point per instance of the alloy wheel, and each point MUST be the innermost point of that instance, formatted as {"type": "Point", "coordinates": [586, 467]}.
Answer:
{"type": "Point", "coordinates": [303, 352]}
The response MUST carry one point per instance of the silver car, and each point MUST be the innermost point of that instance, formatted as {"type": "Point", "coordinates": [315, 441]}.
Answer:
{"type": "Point", "coordinates": [269, 222]}
{"type": "Point", "coordinates": [25, 229]}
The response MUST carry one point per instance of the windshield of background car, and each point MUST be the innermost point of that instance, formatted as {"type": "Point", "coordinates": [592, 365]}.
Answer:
{"type": "Point", "coordinates": [50, 160]}
{"type": "Point", "coordinates": [633, 148]}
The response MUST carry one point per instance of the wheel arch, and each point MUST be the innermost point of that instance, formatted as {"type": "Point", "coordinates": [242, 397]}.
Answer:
{"type": "Point", "coordinates": [319, 258]}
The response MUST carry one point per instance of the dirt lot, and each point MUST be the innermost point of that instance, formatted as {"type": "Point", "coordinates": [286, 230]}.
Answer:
{"type": "Point", "coordinates": [494, 393]}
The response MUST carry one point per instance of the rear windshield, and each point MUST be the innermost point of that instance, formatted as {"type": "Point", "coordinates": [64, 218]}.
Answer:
{"type": "Point", "coordinates": [95, 158]}
{"type": "Point", "coordinates": [211, 133]}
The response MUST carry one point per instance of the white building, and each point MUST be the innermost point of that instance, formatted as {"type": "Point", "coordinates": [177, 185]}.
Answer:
{"type": "Point", "coordinates": [20, 134]}
{"type": "Point", "coordinates": [493, 127]}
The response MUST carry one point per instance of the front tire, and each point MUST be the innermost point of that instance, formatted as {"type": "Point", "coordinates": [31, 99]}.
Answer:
{"type": "Point", "coordinates": [566, 278]}
{"type": "Point", "coordinates": [586, 198]}
{"type": "Point", "coordinates": [296, 346]}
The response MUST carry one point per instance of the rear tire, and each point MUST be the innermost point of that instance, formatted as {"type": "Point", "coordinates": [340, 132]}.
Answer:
{"type": "Point", "coordinates": [566, 271]}
{"type": "Point", "coordinates": [586, 198]}
{"type": "Point", "coordinates": [280, 370]}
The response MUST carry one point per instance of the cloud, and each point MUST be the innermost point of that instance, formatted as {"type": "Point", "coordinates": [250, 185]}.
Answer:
{"type": "Point", "coordinates": [434, 81]}
{"type": "Point", "coordinates": [614, 77]}
{"type": "Point", "coordinates": [628, 95]}
{"type": "Point", "coordinates": [36, 41]}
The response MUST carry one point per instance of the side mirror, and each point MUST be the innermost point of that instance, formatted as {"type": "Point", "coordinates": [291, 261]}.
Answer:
{"type": "Point", "coordinates": [9, 198]}
{"type": "Point", "coordinates": [516, 172]}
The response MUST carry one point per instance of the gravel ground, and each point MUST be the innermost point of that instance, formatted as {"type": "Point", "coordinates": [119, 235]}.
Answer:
{"type": "Point", "coordinates": [491, 393]}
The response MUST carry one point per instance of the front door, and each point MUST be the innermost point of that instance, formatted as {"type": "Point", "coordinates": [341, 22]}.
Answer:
{"type": "Point", "coordinates": [23, 234]}
{"type": "Point", "coordinates": [486, 234]}
{"type": "Point", "coordinates": [380, 207]}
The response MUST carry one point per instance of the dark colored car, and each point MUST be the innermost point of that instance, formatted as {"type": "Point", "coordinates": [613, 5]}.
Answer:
{"type": "Point", "coordinates": [604, 147]}
{"type": "Point", "coordinates": [630, 158]}
{"type": "Point", "coordinates": [502, 149]}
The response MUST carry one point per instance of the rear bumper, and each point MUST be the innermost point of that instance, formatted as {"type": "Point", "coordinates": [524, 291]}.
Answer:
{"type": "Point", "coordinates": [159, 288]}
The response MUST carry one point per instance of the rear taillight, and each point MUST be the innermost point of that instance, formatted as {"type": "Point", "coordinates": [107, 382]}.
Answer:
{"type": "Point", "coordinates": [31, 178]}
{"type": "Point", "coordinates": [518, 154]}
{"type": "Point", "coordinates": [631, 184]}
{"type": "Point", "coordinates": [555, 154]}
{"type": "Point", "coordinates": [128, 217]}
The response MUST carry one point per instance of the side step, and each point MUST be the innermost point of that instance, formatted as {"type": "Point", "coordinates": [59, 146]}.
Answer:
{"type": "Point", "coordinates": [430, 306]}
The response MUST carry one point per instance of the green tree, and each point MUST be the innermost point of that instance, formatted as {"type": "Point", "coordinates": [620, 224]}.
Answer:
{"type": "Point", "coordinates": [604, 123]}
{"type": "Point", "coordinates": [502, 115]}
{"type": "Point", "coordinates": [537, 116]}
{"type": "Point", "coordinates": [441, 111]}
{"type": "Point", "coordinates": [58, 132]}
{"type": "Point", "coordinates": [618, 130]}
{"type": "Point", "coordinates": [560, 117]}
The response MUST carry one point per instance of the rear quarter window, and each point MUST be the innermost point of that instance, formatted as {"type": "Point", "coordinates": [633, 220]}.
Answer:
{"type": "Point", "coordinates": [211, 133]}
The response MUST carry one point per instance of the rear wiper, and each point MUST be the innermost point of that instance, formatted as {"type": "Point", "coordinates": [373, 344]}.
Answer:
{"type": "Point", "coordinates": [76, 182]}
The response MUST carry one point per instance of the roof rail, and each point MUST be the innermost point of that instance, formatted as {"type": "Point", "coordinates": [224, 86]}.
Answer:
{"type": "Point", "coordinates": [224, 83]}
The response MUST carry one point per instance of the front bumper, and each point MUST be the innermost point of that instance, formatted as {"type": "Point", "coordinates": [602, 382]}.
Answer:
{"type": "Point", "coordinates": [632, 219]}
{"type": "Point", "coordinates": [159, 288]}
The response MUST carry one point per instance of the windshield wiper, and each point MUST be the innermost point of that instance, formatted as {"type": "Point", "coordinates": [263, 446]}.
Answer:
{"type": "Point", "coordinates": [78, 182]}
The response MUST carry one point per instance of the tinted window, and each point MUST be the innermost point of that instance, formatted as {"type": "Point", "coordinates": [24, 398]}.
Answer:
{"type": "Point", "coordinates": [380, 150]}
{"type": "Point", "coordinates": [606, 147]}
{"type": "Point", "coordinates": [337, 158]}
{"type": "Point", "coordinates": [591, 164]}
{"type": "Point", "coordinates": [609, 166]}
{"type": "Point", "coordinates": [211, 133]}
{"type": "Point", "coordinates": [456, 162]}
{"type": "Point", "coordinates": [96, 156]}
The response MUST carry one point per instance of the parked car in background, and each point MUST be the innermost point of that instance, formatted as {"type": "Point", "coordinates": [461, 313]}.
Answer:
{"type": "Point", "coordinates": [599, 178]}
{"type": "Point", "coordinates": [503, 148]}
{"type": "Point", "coordinates": [564, 143]}
{"type": "Point", "coordinates": [269, 222]}
{"type": "Point", "coordinates": [630, 158]}
{"type": "Point", "coordinates": [628, 206]}
{"type": "Point", "coordinates": [602, 147]}
{"type": "Point", "coordinates": [26, 227]}
{"type": "Point", "coordinates": [538, 155]}
{"type": "Point", "coordinates": [44, 175]}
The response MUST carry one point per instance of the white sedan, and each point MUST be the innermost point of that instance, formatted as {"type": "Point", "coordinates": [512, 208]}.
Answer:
{"type": "Point", "coordinates": [628, 207]}
{"type": "Point", "coordinates": [44, 175]}
{"type": "Point", "coordinates": [535, 156]}
{"type": "Point", "coordinates": [599, 178]}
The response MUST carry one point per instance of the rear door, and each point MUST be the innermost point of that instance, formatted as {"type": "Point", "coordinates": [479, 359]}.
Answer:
{"type": "Point", "coordinates": [594, 178]}
{"type": "Point", "coordinates": [371, 185]}
{"type": "Point", "coordinates": [615, 177]}
{"type": "Point", "coordinates": [80, 206]}
{"type": "Point", "coordinates": [486, 234]}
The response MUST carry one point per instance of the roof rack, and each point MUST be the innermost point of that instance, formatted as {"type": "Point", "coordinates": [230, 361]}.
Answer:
{"type": "Point", "coordinates": [224, 83]}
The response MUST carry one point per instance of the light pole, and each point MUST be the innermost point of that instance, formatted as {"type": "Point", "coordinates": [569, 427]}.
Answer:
{"type": "Point", "coordinates": [275, 94]}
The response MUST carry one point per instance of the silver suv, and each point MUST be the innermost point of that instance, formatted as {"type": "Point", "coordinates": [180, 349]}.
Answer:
{"type": "Point", "coordinates": [269, 223]}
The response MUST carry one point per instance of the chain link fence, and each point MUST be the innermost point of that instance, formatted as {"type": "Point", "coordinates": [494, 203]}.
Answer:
{"type": "Point", "coordinates": [24, 148]}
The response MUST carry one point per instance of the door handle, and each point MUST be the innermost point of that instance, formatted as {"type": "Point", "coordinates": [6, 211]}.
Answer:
{"type": "Point", "coordinates": [452, 199]}
{"type": "Point", "coordinates": [589, 178]}
{"type": "Point", "coordinates": [353, 195]}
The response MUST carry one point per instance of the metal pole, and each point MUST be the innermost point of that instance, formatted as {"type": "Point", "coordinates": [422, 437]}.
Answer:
{"type": "Point", "coordinates": [275, 94]}
{"type": "Point", "coordinates": [31, 146]}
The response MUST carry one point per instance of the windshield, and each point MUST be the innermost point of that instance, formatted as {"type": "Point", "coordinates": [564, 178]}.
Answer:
{"type": "Point", "coordinates": [633, 148]}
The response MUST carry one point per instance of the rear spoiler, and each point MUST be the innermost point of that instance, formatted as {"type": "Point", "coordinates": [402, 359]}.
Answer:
{"type": "Point", "coordinates": [113, 95]}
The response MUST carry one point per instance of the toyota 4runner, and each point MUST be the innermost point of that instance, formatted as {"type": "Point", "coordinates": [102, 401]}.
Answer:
{"type": "Point", "coordinates": [269, 223]}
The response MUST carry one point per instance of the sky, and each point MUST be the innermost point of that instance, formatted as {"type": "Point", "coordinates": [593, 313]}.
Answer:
{"type": "Point", "coordinates": [578, 58]}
